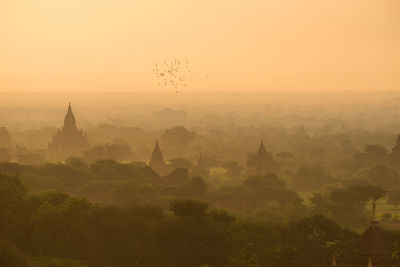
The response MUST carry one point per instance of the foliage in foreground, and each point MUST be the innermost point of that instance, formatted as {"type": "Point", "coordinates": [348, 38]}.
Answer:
{"type": "Point", "coordinates": [58, 230]}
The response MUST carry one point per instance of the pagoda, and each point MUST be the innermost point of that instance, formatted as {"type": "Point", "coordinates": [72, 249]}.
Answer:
{"type": "Point", "coordinates": [157, 161]}
{"type": "Point", "coordinates": [67, 141]}
{"type": "Point", "coordinates": [373, 252]}
{"type": "Point", "coordinates": [261, 163]}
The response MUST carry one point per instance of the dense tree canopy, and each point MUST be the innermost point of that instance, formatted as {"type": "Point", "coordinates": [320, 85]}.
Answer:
{"type": "Point", "coordinates": [55, 229]}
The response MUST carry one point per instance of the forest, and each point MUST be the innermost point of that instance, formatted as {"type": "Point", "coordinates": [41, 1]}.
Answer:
{"type": "Point", "coordinates": [55, 229]}
{"type": "Point", "coordinates": [110, 206]}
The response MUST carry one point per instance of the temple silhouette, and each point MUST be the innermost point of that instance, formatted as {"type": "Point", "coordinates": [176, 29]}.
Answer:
{"type": "Point", "coordinates": [373, 252]}
{"type": "Point", "coordinates": [262, 162]}
{"type": "Point", "coordinates": [68, 141]}
{"type": "Point", "coordinates": [157, 161]}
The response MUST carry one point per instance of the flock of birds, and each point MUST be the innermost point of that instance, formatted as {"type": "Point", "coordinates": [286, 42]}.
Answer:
{"type": "Point", "coordinates": [174, 74]}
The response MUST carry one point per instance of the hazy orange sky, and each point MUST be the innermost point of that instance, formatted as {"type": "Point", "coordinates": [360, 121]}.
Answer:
{"type": "Point", "coordinates": [112, 45]}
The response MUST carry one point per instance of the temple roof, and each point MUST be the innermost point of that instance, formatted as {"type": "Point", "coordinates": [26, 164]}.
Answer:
{"type": "Point", "coordinates": [373, 248]}
{"type": "Point", "coordinates": [69, 120]}
{"type": "Point", "coordinates": [68, 141]}
{"type": "Point", "coordinates": [261, 149]}
{"type": "Point", "coordinates": [157, 156]}
{"type": "Point", "coordinates": [262, 153]}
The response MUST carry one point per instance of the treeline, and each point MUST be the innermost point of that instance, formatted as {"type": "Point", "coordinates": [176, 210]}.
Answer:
{"type": "Point", "coordinates": [261, 197]}
{"type": "Point", "coordinates": [309, 159]}
{"type": "Point", "coordinates": [54, 229]}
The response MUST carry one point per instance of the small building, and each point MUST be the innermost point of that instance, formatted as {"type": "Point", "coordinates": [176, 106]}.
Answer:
{"type": "Point", "coordinates": [373, 252]}
{"type": "Point", "coordinates": [262, 162]}
{"type": "Point", "coordinates": [68, 141]}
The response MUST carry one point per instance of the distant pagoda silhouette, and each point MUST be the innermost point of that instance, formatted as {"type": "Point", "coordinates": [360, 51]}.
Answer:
{"type": "Point", "coordinates": [157, 161]}
{"type": "Point", "coordinates": [68, 141]}
{"type": "Point", "coordinates": [372, 250]}
{"type": "Point", "coordinates": [262, 162]}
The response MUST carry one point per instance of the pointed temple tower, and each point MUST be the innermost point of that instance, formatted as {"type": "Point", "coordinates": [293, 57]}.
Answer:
{"type": "Point", "coordinates": [373, 251]}
{"type": "Point", "coordinates": [157, 161]}
{"type": "Point", "coordinates": [68, 141]}
{"type": "Point", "coordinates": [262, 162]}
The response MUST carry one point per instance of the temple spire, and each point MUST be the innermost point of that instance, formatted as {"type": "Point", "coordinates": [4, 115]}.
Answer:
{"type": "Point", "coordinates": [373, 251]}
{"type": "Point", "coordinates": [157, 160]}
{"type": "Point", "coordinates": [157, 154]}
{"type": "Point", "coordinates": [262, 162]}
{"type": "Point", "coordinates": [69, 120]}
{"type": "Point", "coordinates": [261, 149]}
{"type": "Point", "coordinates": [68, 141]}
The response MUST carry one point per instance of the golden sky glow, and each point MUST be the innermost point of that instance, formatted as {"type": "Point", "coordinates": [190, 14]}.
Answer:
{"type": "Point", "coordinates": [232, 44]}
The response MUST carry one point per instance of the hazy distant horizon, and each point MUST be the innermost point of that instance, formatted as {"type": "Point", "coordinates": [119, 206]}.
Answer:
{"type": "Point", "coordinates": [27, 110]}
{"type": "Point", "coordinates": [189, 97]}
